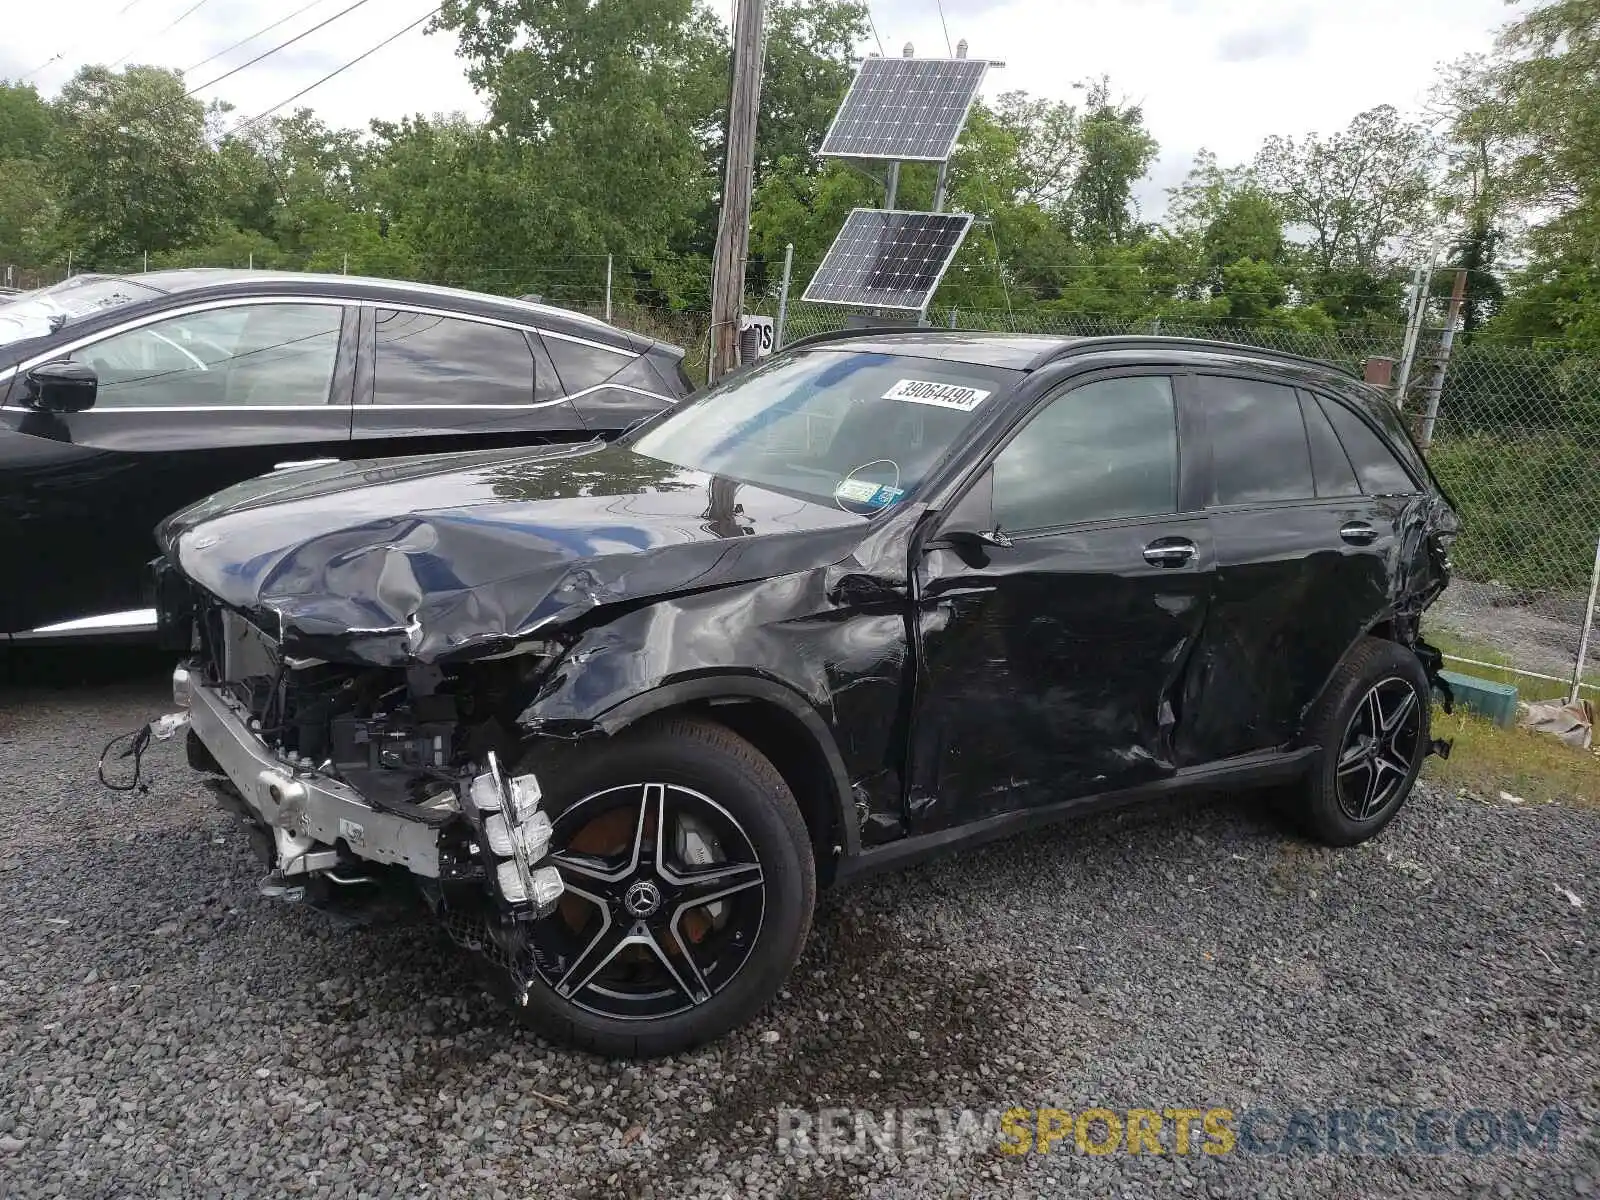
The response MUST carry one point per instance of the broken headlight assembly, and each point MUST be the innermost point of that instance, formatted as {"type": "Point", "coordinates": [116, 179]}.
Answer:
{"type": "Point", "coordinates": [513, 835]}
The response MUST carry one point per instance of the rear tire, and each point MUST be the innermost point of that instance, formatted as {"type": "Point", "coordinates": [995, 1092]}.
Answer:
{"type": "Point", "coordinates": [693, 973]}
{"type": "Point", "coordinates": [1372, 723]}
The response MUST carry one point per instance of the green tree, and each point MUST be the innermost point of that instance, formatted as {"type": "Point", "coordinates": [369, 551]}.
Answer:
{"type": "Point", "coordinates": [28, 205]}
{"type": "Point", "coordinates": [1361, 194]}
{"type": "Point", "coordinates": [612, 104]}
{"type": "Point", "coordinates": [27, 124]}
{"type": "Point", "coordinates": [808, 69]}
{"type": "Point", "coordinates": [131, 162]}
{"type": "Point", "coordinates": [1114, 152]}
{"type": "Point", "coordinates": [1533, 112]}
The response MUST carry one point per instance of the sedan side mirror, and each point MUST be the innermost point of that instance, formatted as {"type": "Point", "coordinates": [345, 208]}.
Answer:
{"type": "Point", "coordinates": [63, 387]}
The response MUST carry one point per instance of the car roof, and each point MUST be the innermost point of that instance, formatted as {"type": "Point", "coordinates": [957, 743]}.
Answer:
{"type": "Point", "coordinates": [1016, 351]}
{"type": "Point", "coordinates": [198, 279]}
{"type": "Point", "coordinates": [1027, 352]}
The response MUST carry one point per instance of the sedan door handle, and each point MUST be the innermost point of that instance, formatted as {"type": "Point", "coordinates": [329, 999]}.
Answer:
{"type": "Point", "coordinates": [1170, 552]}
{"type": "Point", "coordinates": [1359, 533]}
{"type": "Point", "coordinates": [304, 462]}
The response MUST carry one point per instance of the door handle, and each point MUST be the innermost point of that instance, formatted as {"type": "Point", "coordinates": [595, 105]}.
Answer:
{"type": "Point", "coordinates": [1359, 533]}
{"type": "Point", "coordinates": [304, 462]}
{"type": "Point", "coordinates": [1170, 552]}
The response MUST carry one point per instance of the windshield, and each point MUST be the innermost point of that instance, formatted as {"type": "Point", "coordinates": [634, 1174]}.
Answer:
{"type": "Point", "coordinates": [36, 313]}
{"type": "Point", "coordinates": [841, 427]}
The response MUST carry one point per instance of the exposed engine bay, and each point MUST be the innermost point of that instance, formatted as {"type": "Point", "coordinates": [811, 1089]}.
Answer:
{"type": "Point", "coordinates": [342, 770]}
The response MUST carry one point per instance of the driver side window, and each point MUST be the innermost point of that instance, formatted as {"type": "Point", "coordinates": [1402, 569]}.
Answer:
{"type": "Point", "coordinates": [1105, 450]}
{"type": "Point", "coordinates": [253, 354]}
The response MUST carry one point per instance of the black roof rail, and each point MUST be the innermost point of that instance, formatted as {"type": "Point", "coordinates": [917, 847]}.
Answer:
{"type": "Point", "coordinates": [1073, 344]}
{"type": "Point", "coordinates": [1093, 343]}
{"type": "Point", "coordinates": [842, 335]}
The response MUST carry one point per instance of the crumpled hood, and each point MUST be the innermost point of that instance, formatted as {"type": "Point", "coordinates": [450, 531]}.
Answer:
{"type": "Point", "coordinates": [450, 557]}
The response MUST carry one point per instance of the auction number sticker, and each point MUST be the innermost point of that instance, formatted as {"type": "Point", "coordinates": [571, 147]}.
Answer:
{"type": "Point", "coordinates": [942, 395]}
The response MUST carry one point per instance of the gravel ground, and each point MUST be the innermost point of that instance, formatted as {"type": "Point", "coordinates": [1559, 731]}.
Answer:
{"type": "Point", "coordinates": [165, 1031]}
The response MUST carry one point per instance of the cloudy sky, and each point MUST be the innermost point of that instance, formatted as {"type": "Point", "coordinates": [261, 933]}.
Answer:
{"type": "Point", "coordinates": [1221, 74]}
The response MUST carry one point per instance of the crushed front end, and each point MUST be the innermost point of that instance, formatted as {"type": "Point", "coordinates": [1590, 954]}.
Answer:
{"type": "Point", "coordinates": [350, 775]}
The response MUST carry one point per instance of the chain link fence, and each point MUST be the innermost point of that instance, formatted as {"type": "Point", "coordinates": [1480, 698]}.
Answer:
{"type": "Point", "coordinates": [1516, 444]}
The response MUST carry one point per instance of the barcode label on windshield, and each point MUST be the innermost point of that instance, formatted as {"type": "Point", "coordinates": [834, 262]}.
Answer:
{"type": "Point", "coordinates": [944, 395]}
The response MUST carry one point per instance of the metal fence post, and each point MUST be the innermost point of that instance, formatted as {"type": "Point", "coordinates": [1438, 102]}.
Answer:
{"type": "Point", "coordinates": [783, 298]}
{"type": "Point", "coordinates": [1447, 341]}
{"type": "Point", "coordinates": [1416, 314]}
{"type": "Point", "coordinates": [1588, 627]}
{"type": "Point", "coordinates": [608, 289]}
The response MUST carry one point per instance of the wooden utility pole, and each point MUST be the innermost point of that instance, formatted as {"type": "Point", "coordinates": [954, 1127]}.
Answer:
{"type": "Point", "coordinates": [733, 230]}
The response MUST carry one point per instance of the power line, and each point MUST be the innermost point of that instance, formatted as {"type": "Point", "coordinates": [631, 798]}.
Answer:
{"type": "Point", "coordinates": [253, 36]}
{"type": "Point", "coordinates": [949, 49]}
{"type": "Point", "coordinates": [873, 25]}
{"type": "Point", "coordinates": [280, 46]}
{"type": "Point", "coordinates": [393, 37]}
{"type": "Point", "coordinates": [170, 25]}
{"type": "Point", "coordinates": [40, 67]}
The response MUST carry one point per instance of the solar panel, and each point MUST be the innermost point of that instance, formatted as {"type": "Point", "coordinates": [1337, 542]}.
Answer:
{"type": "Point", "coordinates": [887, 259]}
{"type": "Point", "coordinates": [905, 109]}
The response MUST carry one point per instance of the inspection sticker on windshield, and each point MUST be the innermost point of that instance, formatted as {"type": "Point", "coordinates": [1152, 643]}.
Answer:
{"type": "Point", "coordinates": [944, 395]}
{"type": "Point", "coordinates": [873, 495]}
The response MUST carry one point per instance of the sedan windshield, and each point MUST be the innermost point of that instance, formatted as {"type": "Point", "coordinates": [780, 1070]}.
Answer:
{"type": "Point", "coordinates": [861, 430]}
{"type": "Point", "coordinates": [36, 313]}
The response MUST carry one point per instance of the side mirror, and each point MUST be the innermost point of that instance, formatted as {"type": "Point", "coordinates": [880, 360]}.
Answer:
{"type": "Point", "coordinates": [63, 387]}
{"type": "Point", "coordinates": [970, 526]}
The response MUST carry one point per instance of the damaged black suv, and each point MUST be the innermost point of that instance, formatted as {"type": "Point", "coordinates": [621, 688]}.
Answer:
{"type": "Point", "coordinates": [619, 709]}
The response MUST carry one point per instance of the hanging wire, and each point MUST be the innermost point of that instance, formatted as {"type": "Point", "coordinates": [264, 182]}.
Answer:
{"type": "Point", "coordinates": [258, 33]}
{"type": "Point", "coordinates": [280, 46]}
{"type": "Point", "coordinates": [949, 49]}
{"type": "Point", "coordinates": [873, 25]}
{"type": "Point", "coordinates": [170, 25]}
{"type": "Point", "coordinates": [393, 37]}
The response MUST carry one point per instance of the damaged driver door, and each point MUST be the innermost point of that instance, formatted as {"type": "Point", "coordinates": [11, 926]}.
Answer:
{"type": "Point", "coordinates": [1058, 605]}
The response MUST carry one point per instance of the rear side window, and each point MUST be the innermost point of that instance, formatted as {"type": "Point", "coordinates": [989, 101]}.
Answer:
{"type": "Point", "coordinates": [423, 358]}
{"type": "Point", "coordinates": [1258, 441]}
{"type": "Point", "coordinates": [1377, 467]}
{"type": "Point", "coordinates": [1105, 450]}
{"type": "Point", "coordinates": [583, 366]}
{"type": "Point", "coordinates": [1328, 462]}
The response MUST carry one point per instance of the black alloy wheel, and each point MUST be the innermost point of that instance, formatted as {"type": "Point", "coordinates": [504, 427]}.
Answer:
{"type": "Point", "coordinates": [658, 933]}
{"type": "Point", "coordinates": [1372, 723]}
{"type": "Point", "coordinates": [689, 884]}
{"type": "Point", "coordinates": [1380, 744]}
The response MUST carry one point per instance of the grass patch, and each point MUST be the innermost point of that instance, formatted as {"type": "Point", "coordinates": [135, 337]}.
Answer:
{"type": "Point", "coordinates": [1489, 760]}
{"type": "Point", "coordinates": [1528, 688]}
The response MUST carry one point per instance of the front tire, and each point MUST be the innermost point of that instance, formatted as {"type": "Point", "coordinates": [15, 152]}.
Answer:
{"type": "Point", "coordinates": [690, 886]}
{"type": "Point", "coordinates": [1372, 723]}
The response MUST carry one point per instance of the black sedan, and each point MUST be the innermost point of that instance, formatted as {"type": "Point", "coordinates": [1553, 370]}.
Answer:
{"type": "Point", "coordinates": [619, 710]}
{"type": "Point", "coordinates": [124, 398]}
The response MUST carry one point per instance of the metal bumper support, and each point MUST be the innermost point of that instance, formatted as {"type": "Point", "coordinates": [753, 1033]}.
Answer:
{"type": "Point", "coordinates": [312, 817]}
